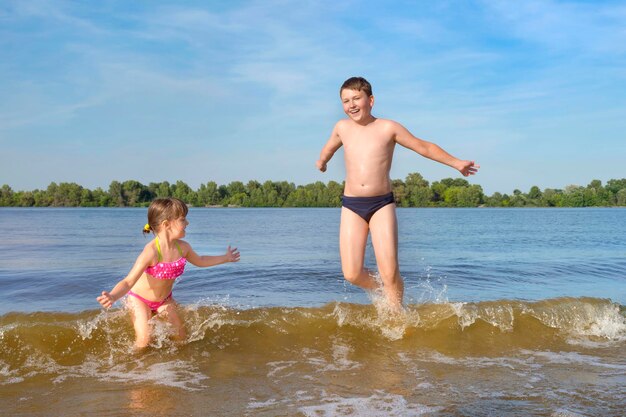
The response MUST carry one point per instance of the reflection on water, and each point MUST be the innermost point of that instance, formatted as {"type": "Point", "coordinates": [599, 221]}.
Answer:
{"type": "Point", "coordinates": [152, 400]}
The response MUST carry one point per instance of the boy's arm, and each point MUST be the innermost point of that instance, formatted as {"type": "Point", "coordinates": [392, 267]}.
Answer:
{"type": "Point", "coordinates": [121, 288]}
{"type": "Point", "coordinates": [334, 143]}
{"type": "Point", "coordinates": [432, 151]}
{"type": "Point", "coordinates": [231, 255]}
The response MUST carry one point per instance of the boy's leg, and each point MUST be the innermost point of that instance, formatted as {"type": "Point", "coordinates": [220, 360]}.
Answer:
{"type": "Point", "coordinates": [384, 229]}
{"type": "Point", "coordinates": [352, 240]}
{"type": "Point", "coordinates": [170, 313]}
{"type": "Point", "coordinates": [140, 314]}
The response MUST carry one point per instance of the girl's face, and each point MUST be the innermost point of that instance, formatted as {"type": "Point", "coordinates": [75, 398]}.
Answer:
{"type": "Point", "coordinates": [178, 227]}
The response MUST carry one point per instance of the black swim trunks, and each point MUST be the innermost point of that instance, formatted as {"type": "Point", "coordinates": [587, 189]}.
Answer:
{"type": "Point", "coordinates": [367, 206]}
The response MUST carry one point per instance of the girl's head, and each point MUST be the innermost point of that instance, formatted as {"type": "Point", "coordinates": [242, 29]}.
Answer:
{"type": "Point", "coordinates": [163, 209]}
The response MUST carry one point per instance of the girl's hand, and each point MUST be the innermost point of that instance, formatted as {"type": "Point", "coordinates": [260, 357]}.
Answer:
{"type": "Point", "coordinates": [321, 165]}
{"type": "Point", "coordinates": [105, 300]}
{"type": "Point", "coordinates": [232, 254]}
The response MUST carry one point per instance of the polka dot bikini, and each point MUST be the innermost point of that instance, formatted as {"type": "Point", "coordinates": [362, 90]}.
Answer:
{"type": "Point", "coordinates": [167, 270]}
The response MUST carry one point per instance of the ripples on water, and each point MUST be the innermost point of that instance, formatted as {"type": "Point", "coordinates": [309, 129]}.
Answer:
{"type": "Point", "coordinates": [510, 312]}
{"type": "Point", "coordinates": [61, 258]}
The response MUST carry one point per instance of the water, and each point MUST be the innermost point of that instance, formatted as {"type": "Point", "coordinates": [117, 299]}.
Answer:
{"type": "Point", "coordinates": [509, 312]}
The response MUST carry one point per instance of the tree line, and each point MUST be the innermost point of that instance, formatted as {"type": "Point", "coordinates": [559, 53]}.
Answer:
{"type": "Point", "coordinates": [414, 191]}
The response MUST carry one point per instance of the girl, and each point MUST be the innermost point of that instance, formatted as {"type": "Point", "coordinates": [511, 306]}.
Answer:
{"type": "Point", "coordinates": [149, 283]}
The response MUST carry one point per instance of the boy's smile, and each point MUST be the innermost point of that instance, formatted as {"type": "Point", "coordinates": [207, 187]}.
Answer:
{"type": "Point", "coordinates": [357, 105]}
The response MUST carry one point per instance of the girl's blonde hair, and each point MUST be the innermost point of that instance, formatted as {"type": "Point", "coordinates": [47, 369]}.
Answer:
{"type": "Point", "coordinates": [161, 209]}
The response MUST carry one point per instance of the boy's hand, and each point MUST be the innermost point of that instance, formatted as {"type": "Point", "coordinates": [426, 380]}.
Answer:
{"type": "Point", "coordinates": [321, 165]}
{"type": "Point", "coordinates": [232, 255]}
{"type": "Point", "coordinates": [468, 168]}
{"type": "Point", "coordinates": [105, 300]}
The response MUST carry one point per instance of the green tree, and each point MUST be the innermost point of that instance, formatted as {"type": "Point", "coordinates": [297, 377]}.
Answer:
{"type": "Point", "coordinates": [251, 186]}
{"type": "Point", "coordinates": [335, 191]}
{"type": "Point", "coordinates": [399, 193]}
{"type": "Point", "coordinates": [184, 192]}
{"type": "Point", "coordinates": [471, 196]}
{"type": "Point", "coordinates": [208, 194]}
{"type": "Point", "coordinates": [64, 194]}
{"type": "Point", "coordinates": [418, 193]}
{"type": "Point", "coordinates": [6, 196]}
{"type": "Point", "coordinates": [86, 198]}
{"type": "Point", "coordinates": [573, 196]}
{"type": "Point", "coordinates": [101, 198]}
{"type": "Point", "coordinates": [284, 189]}
{"type": "Point", "coordinates": [164, 190]}
{"type": "Point", "coordinates": [41, 198]}
{"type": "Point", "coordinates": [254, 189]}
{"type": "Point", "coordinates": [116, 194]}
{"type": "Point", "coordinates": [439, 188]}
{"type": "Point", "coordinates": [615, 185]}
{"type": "Point", "coordinates": [24, 199]}
{"type": "Point", "coordinates": [597, 195]}
{"type": "Point", "coordinates": [518, 199]}
{"type": "Point", "coordinates": [224, 195]}
{"type": "Point", "coordinates": [495, 200]}
{"type": "Point", "coordinates": [552, 198]}
{"type": "Point", "coordinates": [320, 196]}
{"type": "Point", "coordinates": [534, 193]}
{"type": "Point", "coordinates": [240, 199]}
{"type": "Point", "coordinates": [135, 193]}
{"type": "Point", "coordinates": [159, 190]}
{"type": "Point", "coordinates": [236, 187]}
{"type": "Point", "coordinates": [300, 197]}
{"type": "Point", "coordinates": [451, 196]}
{"type": "Point", "coordinates": [621, 197]}
{"type": "Point", "coordinates": [270, 194]}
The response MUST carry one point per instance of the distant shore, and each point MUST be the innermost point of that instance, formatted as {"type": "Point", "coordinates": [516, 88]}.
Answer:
{"type": "Point", "coordinates": [414, 191]}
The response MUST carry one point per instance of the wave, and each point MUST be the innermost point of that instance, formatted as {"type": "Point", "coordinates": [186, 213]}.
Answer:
{"type": "Point", "coordinates": [532, 342]}
{"type": "Point", "coordinates": [562, 318]}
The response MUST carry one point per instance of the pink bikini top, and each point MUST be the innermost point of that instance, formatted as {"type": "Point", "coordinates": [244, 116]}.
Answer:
{"type": "Point", "coordinates": [167, 270]}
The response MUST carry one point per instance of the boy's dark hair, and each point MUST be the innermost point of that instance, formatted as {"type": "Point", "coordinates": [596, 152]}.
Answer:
{"type": "Point", "coordinates": [358, 84]}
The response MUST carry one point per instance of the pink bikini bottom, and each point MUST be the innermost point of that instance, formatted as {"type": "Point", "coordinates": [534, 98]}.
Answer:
{"type": "Point", "coordinates": [153, 305]}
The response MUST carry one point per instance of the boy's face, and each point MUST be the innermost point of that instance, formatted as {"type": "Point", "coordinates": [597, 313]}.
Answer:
{"type": "Point", "coordinates": [357, 104]}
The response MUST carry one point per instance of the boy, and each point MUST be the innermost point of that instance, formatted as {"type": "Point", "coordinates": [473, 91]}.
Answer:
{"type": "Point", "coordinates": [368, 203]}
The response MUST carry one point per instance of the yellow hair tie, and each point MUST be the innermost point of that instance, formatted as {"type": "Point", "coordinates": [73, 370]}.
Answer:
{"type": "Point", "coordinates": [147, 227]}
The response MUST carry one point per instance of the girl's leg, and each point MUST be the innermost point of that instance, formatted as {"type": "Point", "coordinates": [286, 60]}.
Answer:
{"type": "Point", "coordinates": [170, 313]}
{"type": "Point", "coordinates": [384, 230]}
{"type": "Point", "coordinates": [140, 314]}
{"type": "Point", "coordinates": [352, 240]}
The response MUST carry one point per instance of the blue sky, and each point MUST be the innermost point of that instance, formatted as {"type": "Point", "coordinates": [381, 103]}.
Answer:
{"type": "Point", "coordinates": [90, 92]}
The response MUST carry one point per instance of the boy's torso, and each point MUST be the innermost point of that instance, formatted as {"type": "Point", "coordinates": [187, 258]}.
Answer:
{"type": "Point", "coordinates": [368, 153]}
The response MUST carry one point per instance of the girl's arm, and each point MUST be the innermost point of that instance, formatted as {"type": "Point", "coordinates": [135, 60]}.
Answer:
{"type": "Point", "coordinates": [231, 255]}
{"type": "Point", "coordinates": [329, 149]}
{"type": "Point", "coordinates": [143, 261]}
{"type": "Point", "coordinates": [431, 151]}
